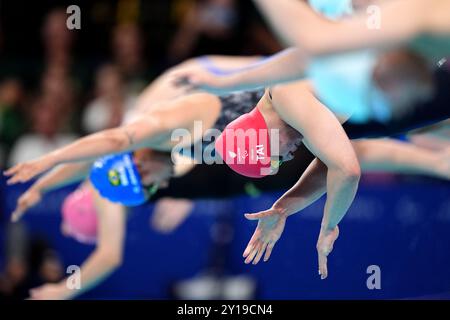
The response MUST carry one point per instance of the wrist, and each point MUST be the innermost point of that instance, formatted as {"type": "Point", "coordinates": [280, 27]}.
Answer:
{"type": "Point", "coordinates": [64, 292]}
{"type": "Point", "coordinates": [41, 186]}
{"type": "Point", "coordinates": [53, 158]}
{"type": "Point", "coordinates": [279, 209]}
{"type": "Point", "coordinates": [225, 82]}
{"type": "Point", "coordinates": [37, 189]}
{"type": "Point", "coordinates": [327, 227]}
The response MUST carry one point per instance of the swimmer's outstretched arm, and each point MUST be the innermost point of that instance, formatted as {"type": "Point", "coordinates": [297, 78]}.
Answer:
{"type": "Point", "coordinates": [227, 64]}
{"type": "Point", "coordinates": [326, 139]}
{"type": "Point", "coordinates": [108, 254]}
{"type": "Point", "coordinates": [170, 85]}
{"type": "Point", "coordinates": [177, 113]}
{"type": "Point", "coordinates": [59, 177]}
{"type": "Point", "coordinates": [401, 21]}
{"type": "Point", "coordinates": [85, 149]}
{"type": "Point", "coordinates": [104, 260]}
{"type": "Point", "coordinates": [287, 66]}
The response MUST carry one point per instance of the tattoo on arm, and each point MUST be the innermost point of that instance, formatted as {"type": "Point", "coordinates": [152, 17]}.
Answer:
{"type": "Point", "coordinates": [130, 136]}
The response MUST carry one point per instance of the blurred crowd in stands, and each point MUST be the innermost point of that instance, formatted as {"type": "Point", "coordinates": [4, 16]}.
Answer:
{"type": "Point", "coordinates": [58, 84]}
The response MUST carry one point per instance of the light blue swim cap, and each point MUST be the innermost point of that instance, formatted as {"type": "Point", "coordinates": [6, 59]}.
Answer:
{"type": "Point", "coordinates": [332, 9]}
{"type": "Point", "coordinates": [343, 82]}
{"type": "Point", "coordinates": [117, 179]}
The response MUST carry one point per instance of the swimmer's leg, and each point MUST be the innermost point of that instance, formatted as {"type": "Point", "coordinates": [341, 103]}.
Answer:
{"type": "Point", "coordinates": [382, 155]}
{"type": "Point", "coordinates": [389, 155]}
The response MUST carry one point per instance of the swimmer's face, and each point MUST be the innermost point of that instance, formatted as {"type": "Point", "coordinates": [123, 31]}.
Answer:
{"type": "Point", "coordinates": [154, 167]}
{"type": "Point", "coordinates": [404, 78]}
{"type": "Point", "coordinates": [290, 141]}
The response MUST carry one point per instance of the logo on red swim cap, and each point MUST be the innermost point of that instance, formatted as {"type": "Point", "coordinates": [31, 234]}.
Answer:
{"type": "Point", "coordinates": [244, 145]}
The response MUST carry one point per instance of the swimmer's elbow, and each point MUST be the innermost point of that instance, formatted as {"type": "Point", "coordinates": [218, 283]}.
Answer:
{"type": "Point", "coordinates": [299, 58]}
{"type": "Point", "coordinates": [112, 259]}
{"type": "Point", "coordinates": [308, 46]}
{"type": "Point", "coordinates": [118, 139]}
{"type": "Point", "coordinates": [348, 172]}
{"type": "Point", "coordinates": [351, 172]}
{"type": "Point", "coordinates": [115, 261]}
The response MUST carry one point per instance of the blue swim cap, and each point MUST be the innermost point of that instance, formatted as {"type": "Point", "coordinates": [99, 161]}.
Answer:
{"type": "Point", "coordinates": [117, 179]}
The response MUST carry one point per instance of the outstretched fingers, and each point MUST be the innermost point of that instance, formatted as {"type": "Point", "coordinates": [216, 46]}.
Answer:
{"type": "Point", "coordinates": [323, 265]}
{"type": "Point", "coordinates": [253, 252]}
{"type": "Point", "coordinates": [251, 244]}
{"type": "Point", "coordinates": [18, 213]}
{"type": "Point", "coordinates": [261, 251]}
{"type": "Point", "coordinates": [269, 249]}
{"type": "Point", "coordinates": [12, 171]}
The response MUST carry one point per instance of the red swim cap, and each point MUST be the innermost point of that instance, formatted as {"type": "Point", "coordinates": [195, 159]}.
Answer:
{"type": "Point", "coordinates": [244, 145]}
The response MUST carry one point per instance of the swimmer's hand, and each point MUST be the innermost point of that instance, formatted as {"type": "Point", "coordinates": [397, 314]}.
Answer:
{"type": "Point", "coordinates": [325, 245]}
{"type": "Point", "coordinates": [193, 80]}
{"type": "Point", "coordinates": [270, 227]}
{"type": "Point", "coordinates": [26, 201]}
{"type": "Point", "coordinates": [26, 171]}
{"type": "Point", "coordinates": [50, 291]}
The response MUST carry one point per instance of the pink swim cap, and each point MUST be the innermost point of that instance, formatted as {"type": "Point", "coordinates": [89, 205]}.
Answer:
{"type": "Point", "coordinates": [80, 217]}
{"type": "Point", "coordinates": [244, 145]}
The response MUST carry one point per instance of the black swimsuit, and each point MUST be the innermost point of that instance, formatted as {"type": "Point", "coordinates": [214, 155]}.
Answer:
{"type": "Point", "coordinates": [233, 106]}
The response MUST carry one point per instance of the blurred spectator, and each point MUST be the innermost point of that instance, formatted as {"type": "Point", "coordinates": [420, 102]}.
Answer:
{"type": "Point", "coordinates": [16, 268]}
{"type": "Point", "coordinates": [30, 262]}
{"type": "Point", "coordinates": [127, 50]}
{"type": "Point", "coordinates": [208, 26]}
{"type": "Point", "coordinates": [50, 268]}
{"type": "Point", "coordinates": [59, 60]}
{"type": "Point", "coordinates": [46, 136]}
{"type": "Point", "coordinates": [1, 39]}
{"type": "Point", "coordinates": [58, 40]}
{"type": "Point", "coordinates": [11, 117]}
{"type": "Point", "coordinates": [111, 103]}
{"type": "Point", "coordinates": [2, 155]}
{"type": "Point", "coordinates": [57, 86]}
